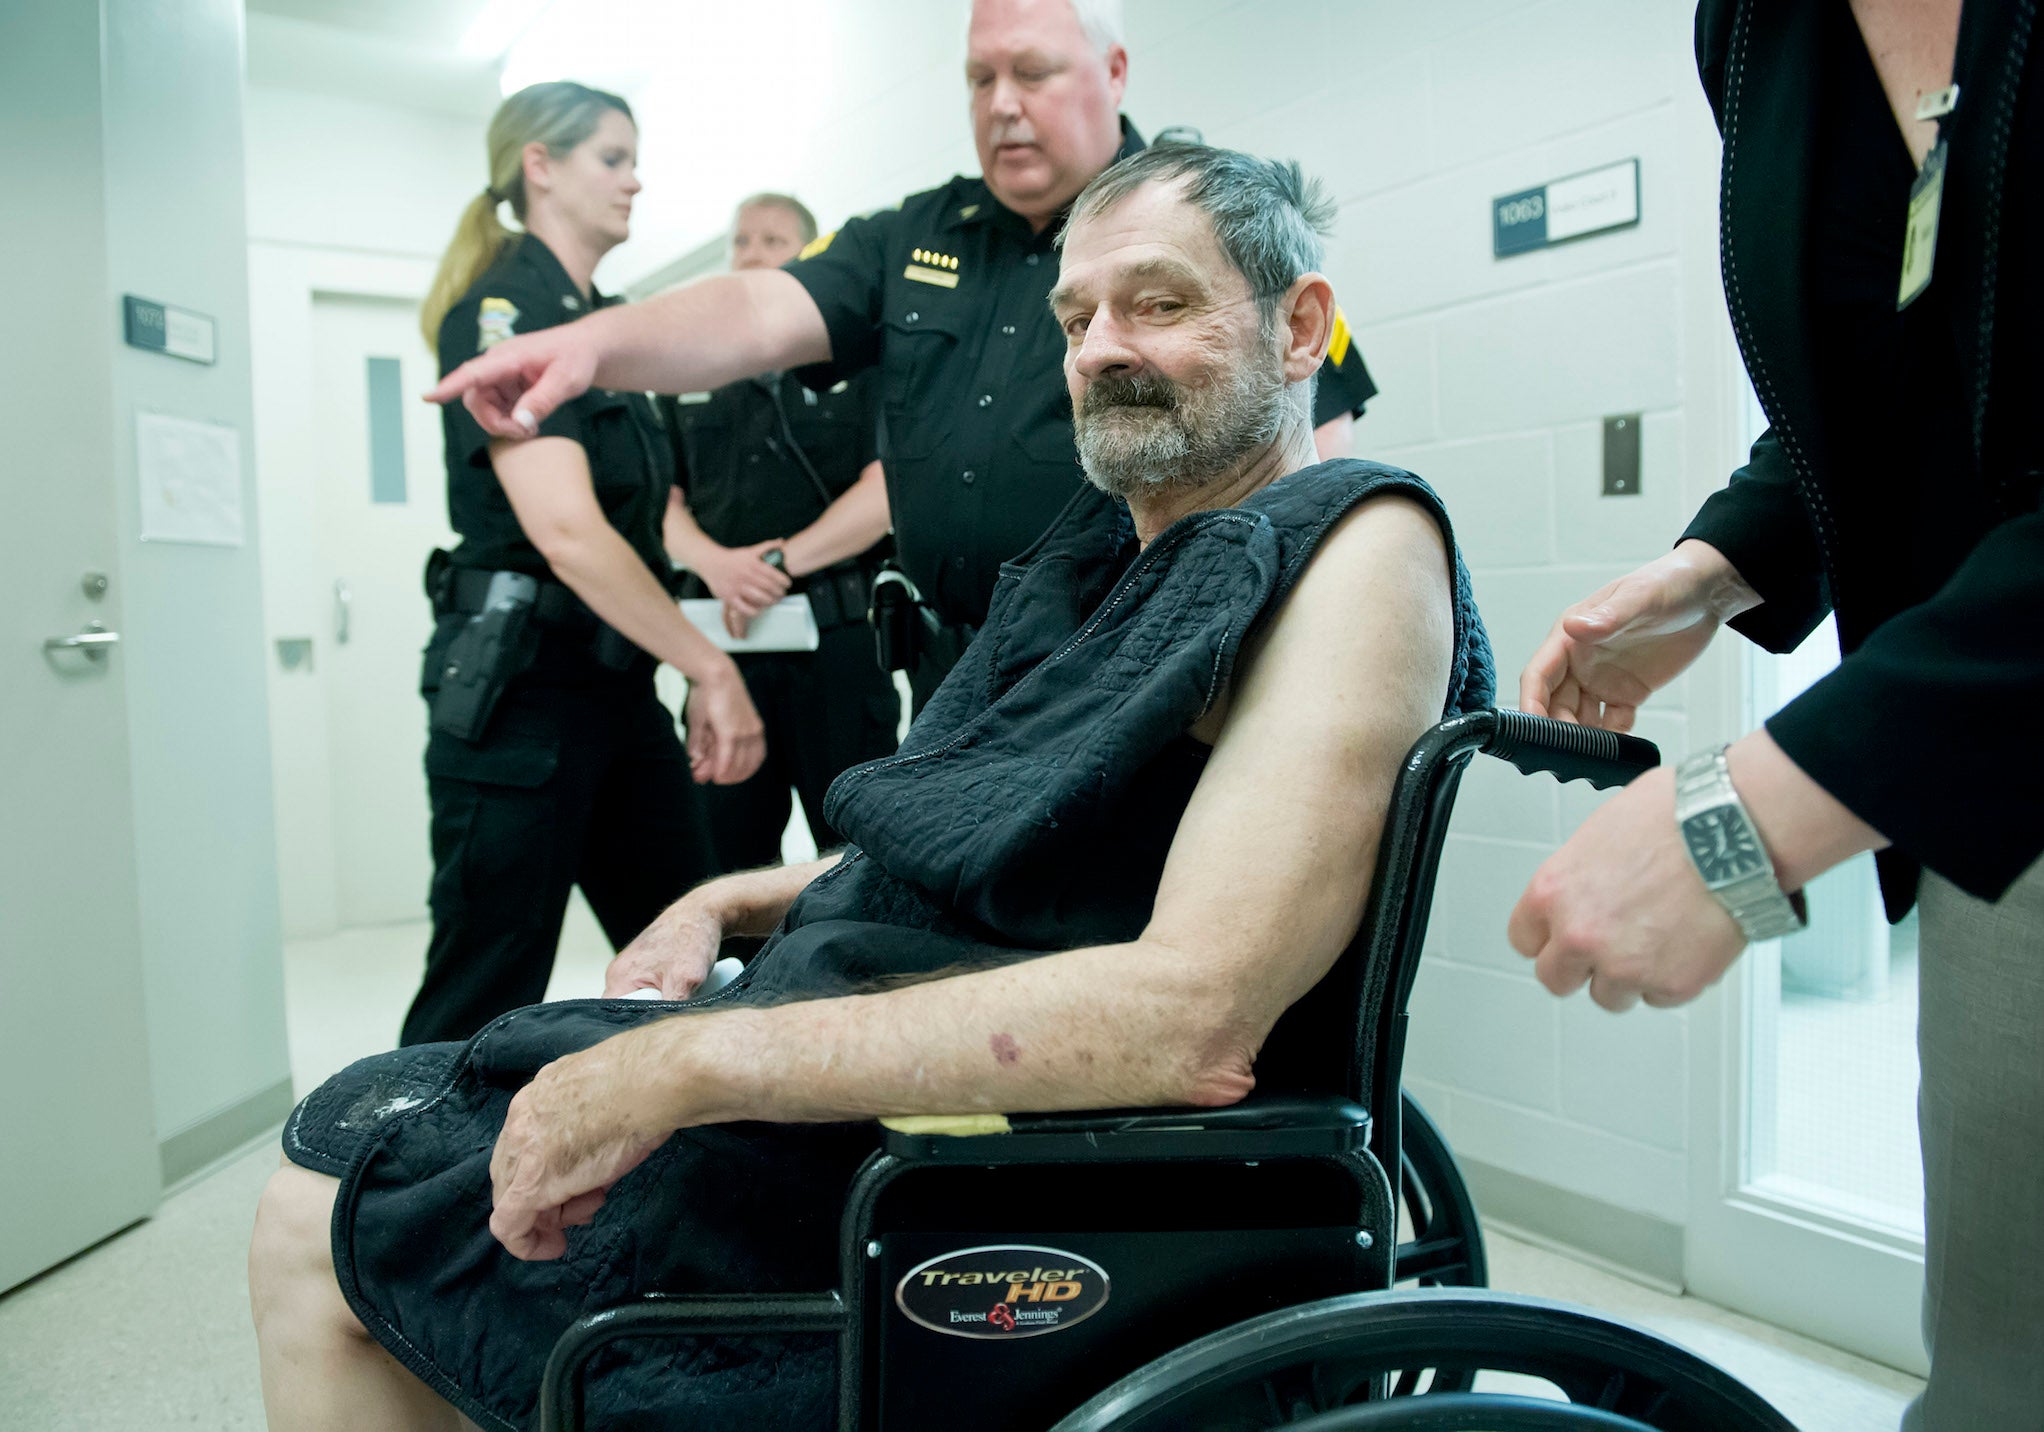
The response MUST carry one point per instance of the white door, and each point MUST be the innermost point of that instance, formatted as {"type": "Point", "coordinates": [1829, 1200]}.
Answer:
{"type": "Point", "coordinates": [1809, 1201]}
{"type": "Point", "coordinates": [382, 507]}
{"type": "Point", "coordinates": [78, 1156]}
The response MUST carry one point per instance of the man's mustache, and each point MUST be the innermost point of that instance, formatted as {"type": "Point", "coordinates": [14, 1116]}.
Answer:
{"type": "Point", "coordinates": [1138, 391]}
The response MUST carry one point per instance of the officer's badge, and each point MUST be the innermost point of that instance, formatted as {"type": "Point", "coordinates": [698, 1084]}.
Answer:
{"type": "Point", "coordinates": [817, 245]}
{"type": "Point", "coordinates": [929, 266]}
{"type": "Point", "coordinates": [493, 323]}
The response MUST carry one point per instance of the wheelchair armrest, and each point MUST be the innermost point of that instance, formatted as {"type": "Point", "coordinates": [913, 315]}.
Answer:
{"type": "Point", "coordinates": [1260, 1127]}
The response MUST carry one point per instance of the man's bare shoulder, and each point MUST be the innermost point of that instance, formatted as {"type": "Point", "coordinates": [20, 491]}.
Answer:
{"type": "Point", "coordinates": [1377, 590]}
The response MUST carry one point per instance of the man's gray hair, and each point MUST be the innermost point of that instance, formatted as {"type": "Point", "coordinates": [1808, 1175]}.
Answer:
{"type": "Point", "coordinates": [803, 218]}
{"type": "Point", "coordinates": [1100, 19]}
{"type": "Point", "coordinates": [1268, 216]}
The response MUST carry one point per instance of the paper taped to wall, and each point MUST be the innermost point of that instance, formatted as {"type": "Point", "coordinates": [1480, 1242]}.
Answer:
{"type": "Point", "coordinates": [190, 473]}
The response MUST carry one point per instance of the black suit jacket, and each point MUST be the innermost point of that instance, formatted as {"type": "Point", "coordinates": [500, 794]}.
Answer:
{"type": "Point", "coordinates": [1927, 729]}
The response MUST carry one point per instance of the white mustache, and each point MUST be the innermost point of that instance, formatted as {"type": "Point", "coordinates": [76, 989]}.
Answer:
{"type": "Point", "coordinates": [1013, 134]}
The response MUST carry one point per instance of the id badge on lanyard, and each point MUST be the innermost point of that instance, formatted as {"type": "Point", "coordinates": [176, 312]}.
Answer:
{"type": "Point", "coordinates": [1926, 200]}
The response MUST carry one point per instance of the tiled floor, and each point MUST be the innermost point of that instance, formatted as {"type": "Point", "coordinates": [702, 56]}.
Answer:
{"type": "Point", "coordinates": [150, 1329]}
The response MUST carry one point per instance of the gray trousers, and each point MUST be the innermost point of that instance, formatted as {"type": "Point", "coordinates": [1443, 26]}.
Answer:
{"type": "Point", "coordinates": [1980, 1110]}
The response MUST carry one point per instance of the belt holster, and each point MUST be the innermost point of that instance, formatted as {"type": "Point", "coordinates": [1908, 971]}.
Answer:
{"type": "Point", "coordinates": [493, 646]}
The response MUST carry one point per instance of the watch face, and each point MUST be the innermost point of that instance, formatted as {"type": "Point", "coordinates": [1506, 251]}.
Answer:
{"type": "Point", "coordinates": [1723, 846]}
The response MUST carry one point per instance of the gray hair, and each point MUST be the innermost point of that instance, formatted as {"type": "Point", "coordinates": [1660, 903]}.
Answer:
{"type": "Point", "coordinates": [1267, 215]}
{"type": "Point", "coordinates": [1100, 19]}
{"type": "Point", "coordinates": [795, 206]}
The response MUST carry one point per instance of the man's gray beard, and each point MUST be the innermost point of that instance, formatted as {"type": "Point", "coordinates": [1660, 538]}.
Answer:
{"type": "Point", "coordinates": [1132, 443]}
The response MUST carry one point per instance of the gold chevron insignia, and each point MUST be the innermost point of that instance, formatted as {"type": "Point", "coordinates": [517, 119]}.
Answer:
{"type": "Point", "coordinates": [817, 245]}
{"type": "Point", "coordinates": [1338, 341]}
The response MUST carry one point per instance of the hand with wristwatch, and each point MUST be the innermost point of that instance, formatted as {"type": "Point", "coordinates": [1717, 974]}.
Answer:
{"type": "Point", "coordinates": [1726, 847]}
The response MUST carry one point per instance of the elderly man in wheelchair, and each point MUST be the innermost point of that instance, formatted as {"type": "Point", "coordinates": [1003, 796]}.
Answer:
{"type": "Point", "coordinates": [1119, 864]}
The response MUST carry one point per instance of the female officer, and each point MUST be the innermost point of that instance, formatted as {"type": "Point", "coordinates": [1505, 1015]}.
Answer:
{"type": "Point", "coordinates": [550, 762]}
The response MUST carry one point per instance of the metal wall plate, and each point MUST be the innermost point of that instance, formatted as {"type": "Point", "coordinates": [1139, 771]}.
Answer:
{"type": "Point", "coordinates": [1621, 455]}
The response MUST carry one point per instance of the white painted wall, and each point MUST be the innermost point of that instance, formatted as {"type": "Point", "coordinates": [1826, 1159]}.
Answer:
{"type": "Point", "coordinates": [345, 197]}
{"type": "Point", "coordinates": [197, 720]}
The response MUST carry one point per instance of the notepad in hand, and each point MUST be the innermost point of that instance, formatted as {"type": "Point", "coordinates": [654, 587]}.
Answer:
{"type": "Point", "coordinates": [787, 625]}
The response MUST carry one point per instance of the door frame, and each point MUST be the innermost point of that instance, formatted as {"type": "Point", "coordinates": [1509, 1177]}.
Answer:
{"type": "Point", "coordinates": [1755, 1248]}
{"type": "Point", "coordinates": [285, 280]}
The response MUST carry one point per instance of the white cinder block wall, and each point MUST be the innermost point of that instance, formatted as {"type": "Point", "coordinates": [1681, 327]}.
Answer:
{"type": "Point", "coordinates": [1496, 375]}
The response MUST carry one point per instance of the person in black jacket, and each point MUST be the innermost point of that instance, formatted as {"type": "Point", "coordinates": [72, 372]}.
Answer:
{"type": "Point", "coordinates": [779, 490]}
{"type": "Point", "coordinates": [1883, 215]}
{"type": "Point", "coordinates": [550, 762]}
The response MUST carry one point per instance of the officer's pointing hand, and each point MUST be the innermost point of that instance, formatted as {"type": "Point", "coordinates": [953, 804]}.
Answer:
{"type": "Point", "coordinates": [517, 384]}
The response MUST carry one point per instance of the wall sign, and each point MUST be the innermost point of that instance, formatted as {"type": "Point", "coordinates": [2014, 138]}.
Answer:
{"type": "Point", "coordinates": [1563, 209]}
{"type": "Point", "coordinates": [160, 328]}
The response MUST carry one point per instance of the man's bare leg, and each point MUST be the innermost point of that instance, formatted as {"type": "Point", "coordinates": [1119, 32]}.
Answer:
{"type": "Point", "coordinates": [322, 1372]}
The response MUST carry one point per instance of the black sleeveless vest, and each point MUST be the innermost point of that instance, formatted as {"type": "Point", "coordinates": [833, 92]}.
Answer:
{"type": "Point", "coordinates": [1036, 797]}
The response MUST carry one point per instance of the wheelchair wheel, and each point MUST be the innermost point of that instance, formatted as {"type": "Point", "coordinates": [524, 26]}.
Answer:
{"type": "Point", "coordinates": [1446, 1247]}
{"type": "Point", "coordinates": [1285, 1369]}
{"type": "Point", "coordinates": [1470, 1412]}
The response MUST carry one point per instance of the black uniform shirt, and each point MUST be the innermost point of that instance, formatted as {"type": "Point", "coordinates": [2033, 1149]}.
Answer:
{"type": "Point", "coordinates": [732, 460]}
{"type": "Point", "coordinates": [629, 461]}
{"type": "Point", "coordinates": [948, 295]}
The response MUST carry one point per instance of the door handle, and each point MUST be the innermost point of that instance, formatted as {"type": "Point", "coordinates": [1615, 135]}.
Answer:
{"type": "Point", "coordinates": [94, 641]}
{"type": "Point", "coordinates": [344, 603]}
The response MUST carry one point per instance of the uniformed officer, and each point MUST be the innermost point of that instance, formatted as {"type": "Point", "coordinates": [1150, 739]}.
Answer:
{"type": "Point", "coordinates": [779, 488]}
{"type": "Point", "coordinates": [550, 763]}
{"type": "Point", "coordinates": [946, 294]}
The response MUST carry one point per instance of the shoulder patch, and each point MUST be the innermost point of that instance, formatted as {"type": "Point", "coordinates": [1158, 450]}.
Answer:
{"type": "Point", "coordinates": [1338, 341]}
{"type": "Point", "coordinates": [494, 322]}
{"type": "Point", "coordinates": [817, 245]}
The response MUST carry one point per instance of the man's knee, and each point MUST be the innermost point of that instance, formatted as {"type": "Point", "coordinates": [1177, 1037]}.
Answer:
{"type": "Point", "coordinates": [290, 1254]}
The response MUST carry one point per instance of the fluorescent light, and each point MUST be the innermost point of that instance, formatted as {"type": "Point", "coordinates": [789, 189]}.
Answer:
{"type": "Point", "coordinates": [499, 25]}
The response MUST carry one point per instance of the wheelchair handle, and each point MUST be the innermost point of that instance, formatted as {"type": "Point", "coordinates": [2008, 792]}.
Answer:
{"type": "Point", "coordinates": [1567, 751]}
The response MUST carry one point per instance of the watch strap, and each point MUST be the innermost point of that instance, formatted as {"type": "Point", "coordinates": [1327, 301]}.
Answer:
{"type": "Point", "coordinates": [1763, 910]}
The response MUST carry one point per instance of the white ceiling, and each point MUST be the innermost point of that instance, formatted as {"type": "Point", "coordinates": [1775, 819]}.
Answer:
{"type": "Point", "coordinates": [393, 52]}
{"type": "Point", "coordinates": [434, 24]}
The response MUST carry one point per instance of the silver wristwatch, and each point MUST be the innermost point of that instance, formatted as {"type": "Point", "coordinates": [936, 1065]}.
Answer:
{"type": "Point", "coordinates": [1722, 840]}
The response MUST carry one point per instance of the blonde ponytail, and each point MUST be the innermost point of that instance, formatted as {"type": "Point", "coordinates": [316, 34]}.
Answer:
{"type": "Point", "coordinates": [559, 114]}
{"type": "Point", "coordinates": [478, 241]}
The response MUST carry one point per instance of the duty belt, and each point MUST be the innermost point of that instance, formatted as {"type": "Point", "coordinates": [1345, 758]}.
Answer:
{"type": "Point", "coordinates": [837, 594]}
{"type": "Point", "coordinates": [466, 588]}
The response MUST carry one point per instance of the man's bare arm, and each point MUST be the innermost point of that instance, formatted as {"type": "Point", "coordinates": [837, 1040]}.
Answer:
{"type": "Point", "coordinates": [704, 335]}
{"type": "Point", "coordinates": [676, 950]}
{"type": "Point", "coordinates": [1263, 888]}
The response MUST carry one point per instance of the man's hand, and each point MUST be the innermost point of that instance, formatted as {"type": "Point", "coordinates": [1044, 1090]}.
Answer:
{"type": "Point", "coordinates": [672, 955]}
{"type": "Point", "coordinates": [1622, 908]}
{"type": "Point", "coordinates": [1609, 652]}
{"type": "Point", "coordinates": [583, 1123]}
{"type": "Point", "coordinates": [517, 384]}
{"type": "Point", "coordinates": [742, 581]}
{"type": "Point", "coordinates": [726, 738]}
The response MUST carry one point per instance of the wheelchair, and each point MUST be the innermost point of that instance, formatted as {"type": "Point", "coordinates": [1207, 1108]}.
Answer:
{"type": "Point", "coordinates": [1232, 1268]}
